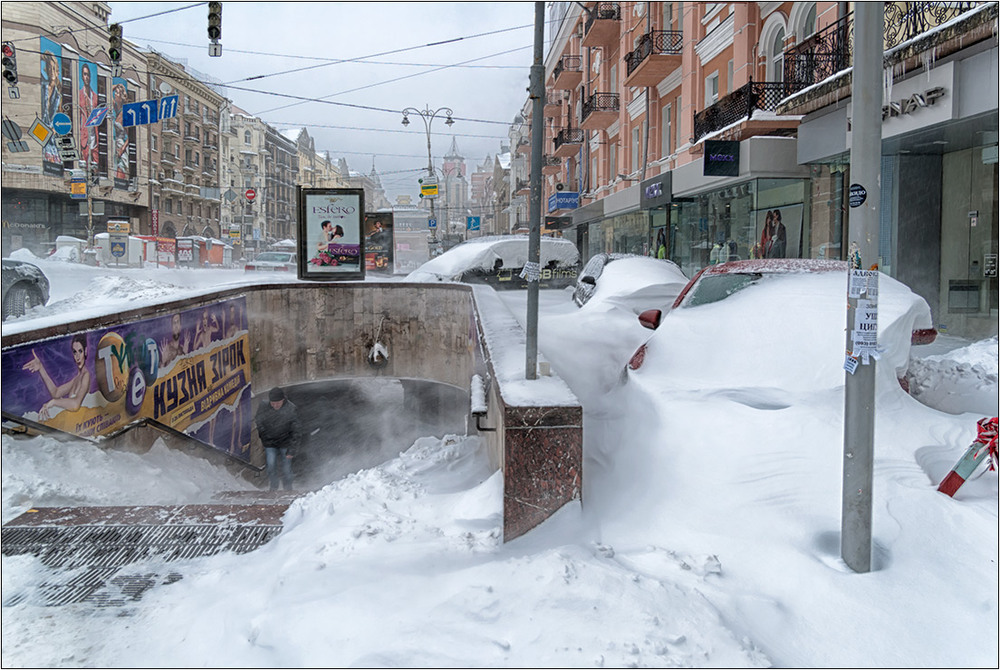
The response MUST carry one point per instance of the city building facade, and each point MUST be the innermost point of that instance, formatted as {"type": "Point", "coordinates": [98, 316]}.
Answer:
{"type": "Point", "coordinates": [685, 125]}
{"type": "Point", "coordinates": [244, 155]}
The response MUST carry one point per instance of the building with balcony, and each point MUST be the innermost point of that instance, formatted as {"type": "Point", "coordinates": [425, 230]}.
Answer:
{"type": "Point", "coordinates": [101, 172]}
{"type": "Point", "coordinates": [281, 173]}
{"type": "Point", "coordinates": [184, 157]}
{"type": "Point", "coordinates": [243, 156]}
{"type": "Point", "coordinates": [670, 91]}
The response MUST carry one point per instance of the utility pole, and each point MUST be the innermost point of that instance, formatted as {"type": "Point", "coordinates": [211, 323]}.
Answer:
{"type": "Point", "coordinates": [532, 269]}
{"type": "Point", "coordinates": [862, 289]}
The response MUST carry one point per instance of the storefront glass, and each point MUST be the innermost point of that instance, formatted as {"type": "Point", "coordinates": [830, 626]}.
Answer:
{"type": "Point", "coordinates": [627, 233]}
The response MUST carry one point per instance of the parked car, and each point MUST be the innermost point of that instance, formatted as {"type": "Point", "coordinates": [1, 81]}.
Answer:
{"type": "Point", "coordinates": [273, 261]}
{"type": "Point", "coordinates": [498, 260]}
{"type": "Point", "coordinates": [24, 286]}
{"type": "Point", "coordinates": [774, 323]}
{"type": "Point", "coordinates": [638, 281]}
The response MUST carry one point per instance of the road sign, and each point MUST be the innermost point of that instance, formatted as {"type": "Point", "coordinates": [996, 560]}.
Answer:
{"type": "Point", "coordinates": [472, 223]}
{"type": "Point", "coordinates": [62, 124]}
{"type": "Point", "coordinates": [67, 148]}
{"type": "Point", "coordinates": [78, 189]}
{"type": "Point", "coordinates": [18, 147]}
{"type": "Point", "coordinates": [432, 223]}
{"type": "Point", "coordinates": [168, 107]}
{"type": "Point", "coordinates": [250, 194]}
{"type": "Point", "coordinates": [40, 132]}
{"type": "Point", "coordinates": [118, 244]}
{"type": "Point", "coordinates": [140, 113]}
{"type": "Point", "coordinates": [96, 117]}
{"type": "Point", "coordinates": [11, 130]}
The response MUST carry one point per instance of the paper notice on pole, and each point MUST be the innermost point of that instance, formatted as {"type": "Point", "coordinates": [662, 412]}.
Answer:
{"type": "Point", "coordinates": [863, 282]}
{"type": "Point", "coordinates": [850, 364]}
{"type": "Point", "coordinates": [531, 271]}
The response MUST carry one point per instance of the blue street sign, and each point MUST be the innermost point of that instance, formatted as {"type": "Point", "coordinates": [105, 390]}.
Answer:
{"type": "Point", "coordinates": [62, 124]}
{"type": "Point", "coordinates": [564, 200]}
{"type": "Point", "coordinates": [96, 117]}
{"type": "Point", "coordinates": [140, 113]}
{"type": "Point", "coordinates": [472, 223]}
{"type": "Point", "coordinates": [168, 107]}
{"type": "Point", "coordinates": [117, 249]}
{"type": "Point", "coordinates": [432, 223]}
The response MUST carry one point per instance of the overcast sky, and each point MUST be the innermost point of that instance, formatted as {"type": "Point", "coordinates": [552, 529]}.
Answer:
{"type": "Point", "coordinates": [480, 72]}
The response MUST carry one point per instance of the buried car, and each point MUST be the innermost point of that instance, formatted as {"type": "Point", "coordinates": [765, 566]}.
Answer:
{"type": "Point", "coordinates": [24, 286]}
{"type": "Point", "coordinates": [272, 261]}
{"type": "Point", "coordinates": [637, 281]}
{"type": "Point", "coordinates": [773, 324]}
{"type": "Point", "coordinates": [498, 260]}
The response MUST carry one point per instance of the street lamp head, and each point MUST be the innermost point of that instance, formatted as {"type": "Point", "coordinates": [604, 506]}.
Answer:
{"type": "Point", "coordinates": [406, 120]}
{"type": "Point", "coordinates": [449, 121]}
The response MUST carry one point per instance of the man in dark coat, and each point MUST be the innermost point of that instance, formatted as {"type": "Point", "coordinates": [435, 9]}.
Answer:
{"type": "Point", "coordinates": [278, 427]}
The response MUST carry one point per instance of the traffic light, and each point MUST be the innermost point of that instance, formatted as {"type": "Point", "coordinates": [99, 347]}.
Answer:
{"type": "Point", "coordinates": [9, 63]}
{"type": "Point", "coordinates": [215, 21]}
{"type": "Point", "coordinates": [115, 43]}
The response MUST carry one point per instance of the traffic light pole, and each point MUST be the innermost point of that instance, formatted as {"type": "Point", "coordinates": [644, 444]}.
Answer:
{"type": "Point", "coordinates": [862, 289]}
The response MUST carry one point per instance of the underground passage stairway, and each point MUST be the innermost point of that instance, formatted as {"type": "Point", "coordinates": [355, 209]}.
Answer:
{"type": "Point", "coordinates": [109, 556]}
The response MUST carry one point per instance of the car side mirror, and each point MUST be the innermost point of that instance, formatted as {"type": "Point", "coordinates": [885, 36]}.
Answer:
{"type": "Point", "coordinates": [651, 319]}
{"type": "Point", "coordinates": [587, 279]}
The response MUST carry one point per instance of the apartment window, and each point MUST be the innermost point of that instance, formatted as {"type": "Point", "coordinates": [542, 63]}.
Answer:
{"type": "Point", "coordinates": [668, 15]}
{"type": "Point", "coordinates": [666, 133]}
{"type": "Point", "coordinates": [677, 123]}
{"type": "Point", "coordinates": [636, 148]}
{"type": "Point", "coordinates": [156, 202]}
{"type": "Point", "coordinates": [169, 206]}
{"type": "Point", "coordinates": [777, 62]}
{"type": "Point", "coordinates": [809, 25]}
{"type": "Point", "coordinates": [246, 137]}
{"type": "Point", "coordinates": [613, 161]}
{"type": "Point", "coordinates": [613, 78]}
{"type": "Point", "coordinates": [729, 77]}
{"type": "Point", "coordinates": [593, 173]}
{"type": "Point", "coordinates": [152, 143]}
{"type": "Point", "coordinates": [712, 89]}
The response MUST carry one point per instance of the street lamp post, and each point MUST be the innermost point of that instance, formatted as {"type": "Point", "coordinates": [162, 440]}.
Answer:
{"type": "Point", "coordinates": [428, 116]}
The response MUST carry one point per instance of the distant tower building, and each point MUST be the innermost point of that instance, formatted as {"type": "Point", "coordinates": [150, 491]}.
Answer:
{"type": "Point", "coordinates": [454, 188]}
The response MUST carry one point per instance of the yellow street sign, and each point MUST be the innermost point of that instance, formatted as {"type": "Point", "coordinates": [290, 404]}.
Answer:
{"type": "Point", "coordinates": [40, 131]}
{"type": "Point", "coordinates": [119, 227]}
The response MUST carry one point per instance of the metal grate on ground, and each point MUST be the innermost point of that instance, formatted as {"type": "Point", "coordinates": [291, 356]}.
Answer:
{"type": "Point", "coordinates": [92, 559]}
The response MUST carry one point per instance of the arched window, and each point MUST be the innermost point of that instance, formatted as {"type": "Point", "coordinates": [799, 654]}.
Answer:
{"type": "Point", "coordinates": [809, 25]}
{"type": "Point", "coordinates": [776, 69]}
{"type": "Point", "coordinates": [246, 137]}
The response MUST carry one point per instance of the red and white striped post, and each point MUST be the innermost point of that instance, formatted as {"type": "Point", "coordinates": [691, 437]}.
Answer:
{"type": "Point", "coordinates": [984, 445]}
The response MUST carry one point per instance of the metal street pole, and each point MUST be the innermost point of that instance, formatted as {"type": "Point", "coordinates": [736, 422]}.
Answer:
{"type": "Point", "coordinates": [532, 268]}
{"type": "Point", "coordinates": [428, 116]}
{"type": "Point", "coordinates": [862, 290]}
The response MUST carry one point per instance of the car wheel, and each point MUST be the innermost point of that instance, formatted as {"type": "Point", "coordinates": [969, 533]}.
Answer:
{"type": "Point", "coordinates": [19, 300]}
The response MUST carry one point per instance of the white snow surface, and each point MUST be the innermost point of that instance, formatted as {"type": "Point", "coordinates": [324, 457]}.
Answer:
{"type": "Point", "coordinates": [708, 535]}
{"type": "Point", "coordinates": [482, 252]}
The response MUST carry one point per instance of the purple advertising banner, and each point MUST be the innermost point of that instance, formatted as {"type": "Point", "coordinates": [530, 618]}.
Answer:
{"type": "Point", "coordinates": [189, 370]}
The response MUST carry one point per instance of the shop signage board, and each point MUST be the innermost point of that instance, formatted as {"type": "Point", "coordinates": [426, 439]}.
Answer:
{"type": "Point", "coordinates": [722, 159]}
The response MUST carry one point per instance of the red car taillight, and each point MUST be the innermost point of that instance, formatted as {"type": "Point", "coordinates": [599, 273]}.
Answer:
{"type": "Point", "coordinates": [638, 358]}
{"type": "Point", "coordinates": [250, 267]}
{"type": "Point", "coordinates": [923, 336]}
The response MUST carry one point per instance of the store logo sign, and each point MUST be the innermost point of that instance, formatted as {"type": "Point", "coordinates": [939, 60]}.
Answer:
{"type": "Point", "coordinates": [913, 103]}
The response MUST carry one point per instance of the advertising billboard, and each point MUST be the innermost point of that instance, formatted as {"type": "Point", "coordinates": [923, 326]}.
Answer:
{"type": "Point", "coordinates": [378, 242]}
{"type": "Point", "coordinates": [331, 242]}
{"type": "Point", "coordinates": [189, 370]}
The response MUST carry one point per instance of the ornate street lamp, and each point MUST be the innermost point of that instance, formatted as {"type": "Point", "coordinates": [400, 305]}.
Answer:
{"type": "Point", "coordinates": [428, 116]}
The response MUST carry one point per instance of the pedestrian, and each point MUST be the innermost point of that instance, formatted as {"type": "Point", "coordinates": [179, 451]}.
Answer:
{"type": "Point", "coordinates": [278, 426]}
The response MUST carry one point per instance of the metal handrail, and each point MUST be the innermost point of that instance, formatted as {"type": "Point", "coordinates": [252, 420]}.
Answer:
{"type": "Point", "coordinates": [603, 10]}
{"type": "Point", "coordinates": [600, 102]}
{"type": "Point", "coordinates": [740, 104]}
{"type": "Point", "coordinates": [569, 136]}
{"type": "Point", "coordinates": [655, 42]}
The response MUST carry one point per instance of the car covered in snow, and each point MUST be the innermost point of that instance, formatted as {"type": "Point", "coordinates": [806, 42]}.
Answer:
{"type": "Point", "coordinates": [272, 261]}
{"type": "Point", "coordinates": [773, 324]}
{"type": "Point", "coordinates": [24, 286]}
{"type": "Point", "coordinates": [499, 261]}
{"type": "Point", "coordinates": [638, 281]}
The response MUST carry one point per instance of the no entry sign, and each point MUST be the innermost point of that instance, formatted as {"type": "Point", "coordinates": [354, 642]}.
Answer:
{"type": "Point", "coordinates": [250, 194]}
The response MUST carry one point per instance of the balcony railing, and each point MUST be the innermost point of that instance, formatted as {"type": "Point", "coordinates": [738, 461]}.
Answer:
{"type": "Point", "coordinates": [666, 42]}
{"type": "Point", "coordinates": [570, 138]}
{"type": "Point", "coordinates": [831, 49]}
{"type": "Point", "coordinates": [603, 10]}
{"type": "Point", "coordinates": [739, 105]}
{"type": "Point", "coordinates": [600, 102]}
{"type": "Point", "coordinates": [568, 64]}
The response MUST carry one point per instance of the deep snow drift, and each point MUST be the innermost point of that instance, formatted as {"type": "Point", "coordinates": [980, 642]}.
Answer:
{"type": "Point", "coordinates": [698, 543]}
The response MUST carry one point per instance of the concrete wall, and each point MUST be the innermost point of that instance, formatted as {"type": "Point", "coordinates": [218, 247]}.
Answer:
{"type": "Point", "coordinates": [307, 332]}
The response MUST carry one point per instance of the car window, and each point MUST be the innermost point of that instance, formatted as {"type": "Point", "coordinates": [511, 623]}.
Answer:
{"type": "Point", "coordinates": [274, 258]}
{"type": "Point", "coordinates": [713, 288]}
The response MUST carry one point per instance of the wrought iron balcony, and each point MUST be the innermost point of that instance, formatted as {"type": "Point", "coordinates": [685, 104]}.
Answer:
{"type": "Point", "coordinates": [553, 104]}
{"type": "Point", "coordinates": [599, 111]}
{"type": "Point", "coordinates": [657, 54]}
{"type": "Point", "coordinates": [740, 105]}
{"type": "Point", "coordinates": [551, 164]}
{"type": "Point", "coordinates": [568, 141]}
{"type": "Point", "coordinates": [603, 24]}
{"type": "Point", "coordinates": [568, 72]}
{"type": "Point", "coordinates": [831, 50]}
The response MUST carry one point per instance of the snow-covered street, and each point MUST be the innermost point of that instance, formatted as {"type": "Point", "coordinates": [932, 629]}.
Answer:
{"type": "Point", "coordinates": [708, 534]}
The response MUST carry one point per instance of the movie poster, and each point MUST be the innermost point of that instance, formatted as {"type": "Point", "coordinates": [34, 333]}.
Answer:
{"type": "Point", "coordinates": [378, 242]}
{"type": "Point", "coordinates": [87, 103]}
{"type": "Point", "coordinates": [119, 135]}
{"type": "Point", "coordinates": [51, 101]}
{"type": "Point", "coordinates": [331, 239]}
{"type": "Point", "coordinates": [189, 371]}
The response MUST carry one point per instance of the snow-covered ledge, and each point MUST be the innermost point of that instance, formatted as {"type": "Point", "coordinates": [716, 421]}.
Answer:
{"type": "Point", "coordinates": [538, 441]}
